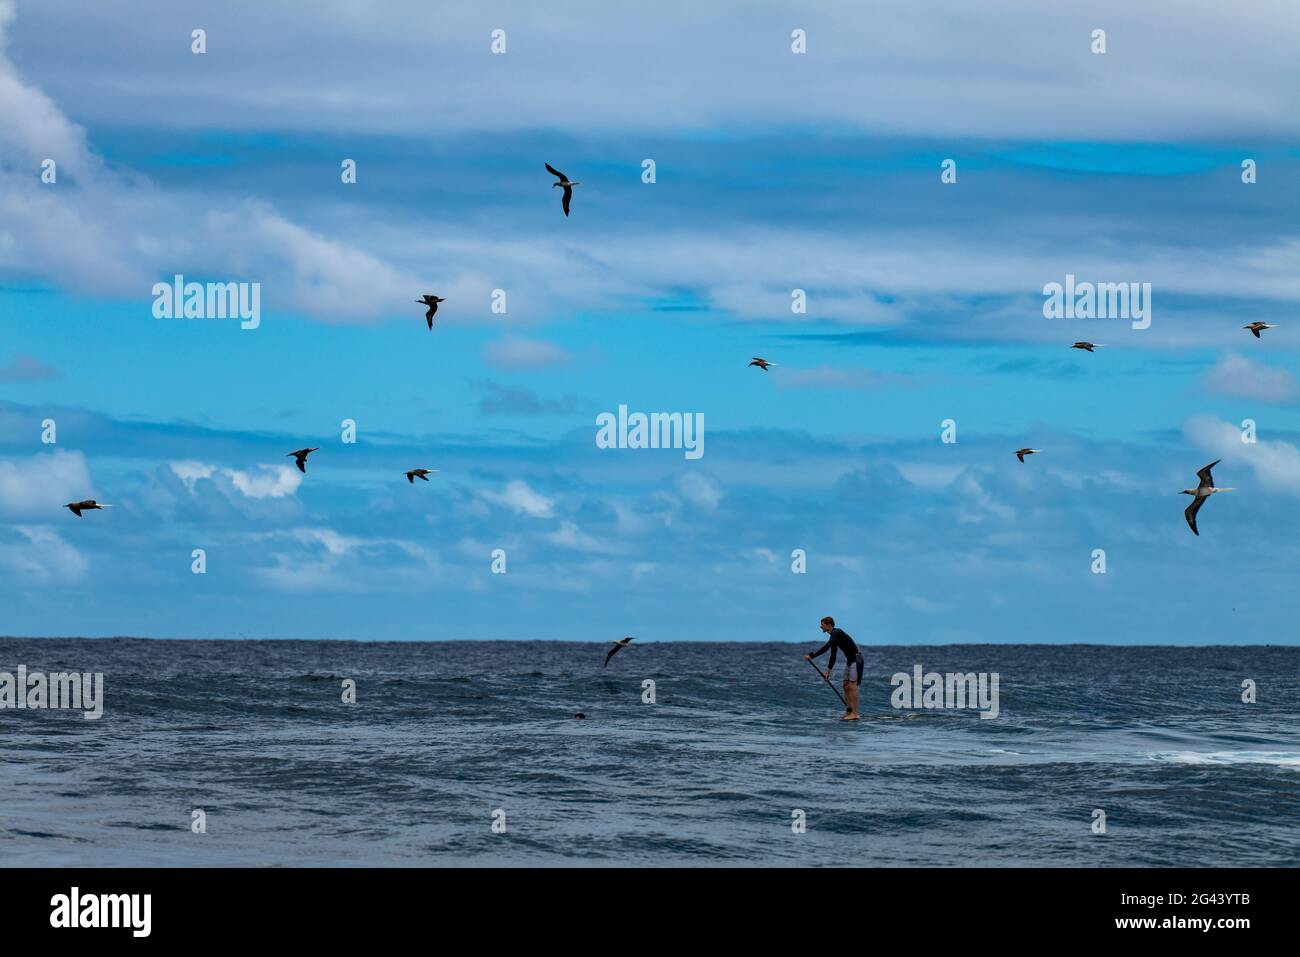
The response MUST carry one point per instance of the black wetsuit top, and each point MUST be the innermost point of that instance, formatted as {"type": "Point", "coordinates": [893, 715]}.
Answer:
{"type": "Point", "coordinates": [839, 640]}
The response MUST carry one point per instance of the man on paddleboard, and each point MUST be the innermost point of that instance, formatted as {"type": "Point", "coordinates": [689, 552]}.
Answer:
{"type": "Point", "coordinates": [838, 640]}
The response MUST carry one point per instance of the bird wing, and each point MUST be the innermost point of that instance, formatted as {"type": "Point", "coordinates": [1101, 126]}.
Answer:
{"type": "Point", "coordinates": [618, 646]}
{"type": "Point", "coordinates": [423, 476]}
{"type": "Point", "coordinates": [568, 195]}
{"type": "Point", "coordinates": [1021, 456]}
{"type": "Point", "coordinates": [428, 317]}
{"type": "Point", "coordinates": [555, 172]}
{"type": "Point", "coordinates": [1190, 514]}
{"type": "Point", "coordinates": [1205, 476]}
{"type": "Point", "coordinates": [410, 477]}
{"type": "Point", "coordinates": [76, 510]}
{"type": "Point", "coordinates": [302, 464]}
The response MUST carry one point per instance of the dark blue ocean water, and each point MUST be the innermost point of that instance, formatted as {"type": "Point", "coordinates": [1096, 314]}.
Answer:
{"type": "Point", "coordinates": [255, 734]}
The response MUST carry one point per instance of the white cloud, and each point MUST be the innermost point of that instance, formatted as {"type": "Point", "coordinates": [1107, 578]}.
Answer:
{"type": "Point", "coordinates": [273, 481]}
{"type": "Point", "coordinates": [316, 559]}
{"type": "Point", "coordinates": [699, 490]}
{"type": "Point", "coordinates": [1003, 68]}
{"type": "Point", "coordinates": [190, 471]}
{"type": "Point", "coordinates": [569, 535]}
{"type": "Point", "coordinates": [42, 556]}
{"type": "Point", "coordinates": [516, 352]}
{"type": "Point", "coordinates": [270, 481]}
{"type": "Point", "coordinates": [979, 503]}
{"type": "Point", "coordinates": [106, 232]}
{"type": "Point", "coordinates": [1244, 378]}
{"type": "Point", "coordinates": [43, 482]}
{"type": "Point", "coordinates": [1275, 463]}
{"type": "Point", "coordinates": [518, 497]}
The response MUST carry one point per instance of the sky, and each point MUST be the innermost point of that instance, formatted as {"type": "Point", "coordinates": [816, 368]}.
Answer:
{"type": "Point", "coordinates": [774, 171]}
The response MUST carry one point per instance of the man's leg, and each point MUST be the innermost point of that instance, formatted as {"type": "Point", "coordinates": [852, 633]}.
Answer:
{"type": "Point", "coordinates": [851, 696]}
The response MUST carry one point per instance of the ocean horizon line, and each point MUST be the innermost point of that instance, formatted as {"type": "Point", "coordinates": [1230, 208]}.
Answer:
{"type": "Point", "coordinates": [645, 641]}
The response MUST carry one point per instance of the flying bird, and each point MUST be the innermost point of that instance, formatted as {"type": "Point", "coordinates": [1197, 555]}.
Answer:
{"type": "Point", "coordinates": [432, 303]}
{"type": "Point", "coordinates": [618, 646]}
{"type": "Point", "coordinates": [761, 363]}
{"type": "Point", "coordinates": [1257, 327]}
{"type": "Point", "coordinates": [566, 183]}
{"type": "Point", "coordinates": [1087, 346]}
{"type": "Point", "coordinates": [301, 456]}
{"type": "Point", "coordinates": [1021, 453]}
{"type": "Point", "coordinates": [412, 475]}
{"type": "Point", "coordinates": [87, 505]}
{"type": "Point", "coordinates": [1201, 493]}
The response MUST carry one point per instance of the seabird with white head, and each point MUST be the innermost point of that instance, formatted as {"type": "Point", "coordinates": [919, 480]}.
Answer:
{"type": "Point", "coordinates": [564, 181]}
{"type": "Point", "coordinates": [1200, 494]}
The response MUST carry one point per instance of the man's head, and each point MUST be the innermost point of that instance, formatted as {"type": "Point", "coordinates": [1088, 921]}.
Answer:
{"type": "Point", "coordinates": [828, 624]}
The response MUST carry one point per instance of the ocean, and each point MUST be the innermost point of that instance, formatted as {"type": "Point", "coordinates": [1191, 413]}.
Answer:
{"type": "Point", "coordinates": [468, 754]}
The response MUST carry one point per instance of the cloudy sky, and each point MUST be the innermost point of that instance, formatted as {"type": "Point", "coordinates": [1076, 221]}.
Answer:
{"type": "Point", "coordinates": [775, 171]}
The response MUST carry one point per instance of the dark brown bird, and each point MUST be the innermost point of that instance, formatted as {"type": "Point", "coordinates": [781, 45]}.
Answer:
{"type": "Point", "coordinates": [301, 456]}
{"type": "Point", "coordinates": [618, 646]}
{"type": "Point", "coordinates": [761, 363]}
{"type": "Point", "coordinates": [1021, 453]}
{"type": "Point", "coordinates": [566, 183]}
{"type": "Point", "coordinates": [412, 475]}
{"type": "Point", "coordinates": [1087, 346]}
{"type": "Point", "coordinates": [1257, 327]}
{"type": "Point", "coordinates": [432, 303]}
{"type": "Point", "coordinates": [87, 505]}
{"type": "Point", "coordinates": [1202, 491]}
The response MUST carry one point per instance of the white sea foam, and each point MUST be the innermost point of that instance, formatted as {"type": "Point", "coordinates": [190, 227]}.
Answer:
{"type": "Point", "coordinates": [1284, 759]}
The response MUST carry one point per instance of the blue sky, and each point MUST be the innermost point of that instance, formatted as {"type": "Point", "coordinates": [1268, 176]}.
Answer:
{"type": "Point", "coordinates": [775, 171]}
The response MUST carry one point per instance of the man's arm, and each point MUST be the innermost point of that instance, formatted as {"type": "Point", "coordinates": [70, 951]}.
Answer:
{"type": "Point", "coordinates": [821, 651]}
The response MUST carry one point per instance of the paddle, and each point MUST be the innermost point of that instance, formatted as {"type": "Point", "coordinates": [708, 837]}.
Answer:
{"type": "Point", "coordinates": [828, 682]}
